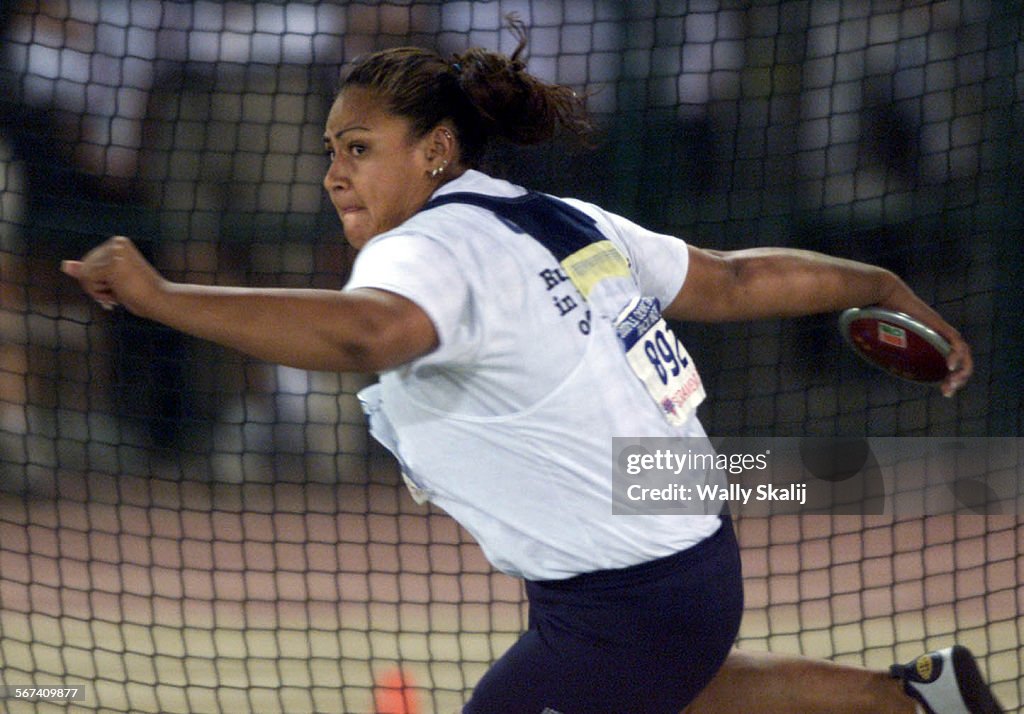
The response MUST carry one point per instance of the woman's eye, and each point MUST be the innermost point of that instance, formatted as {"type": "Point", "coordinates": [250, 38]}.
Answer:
{"type": "Point", "coordinates": [356, 149]}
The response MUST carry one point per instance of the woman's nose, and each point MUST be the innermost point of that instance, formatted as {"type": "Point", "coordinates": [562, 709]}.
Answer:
{"type": "Point", "coordinates": [336, 176]}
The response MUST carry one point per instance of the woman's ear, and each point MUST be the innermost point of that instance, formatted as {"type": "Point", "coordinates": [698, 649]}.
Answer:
{"type": "Point", "coordinates": [440, 151]}
{"type": "Point", "coordinates": [441, 145]}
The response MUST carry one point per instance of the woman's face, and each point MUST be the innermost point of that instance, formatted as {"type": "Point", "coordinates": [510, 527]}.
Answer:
{"type": "Point", "coordinates": [379, 174]}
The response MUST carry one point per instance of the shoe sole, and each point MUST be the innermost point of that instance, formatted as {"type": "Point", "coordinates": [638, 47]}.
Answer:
{"type": "Point", "coordinates": [975, 692]}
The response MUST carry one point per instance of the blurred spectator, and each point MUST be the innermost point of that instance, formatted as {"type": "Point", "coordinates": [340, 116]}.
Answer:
{"type": "Point", "coordinates": [104, 109]}
{"type": "Point", "coordinates": [891, 101]}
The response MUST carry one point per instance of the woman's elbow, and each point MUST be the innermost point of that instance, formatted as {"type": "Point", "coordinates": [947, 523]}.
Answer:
{"type": "Point", "coordinates": [386, 336]}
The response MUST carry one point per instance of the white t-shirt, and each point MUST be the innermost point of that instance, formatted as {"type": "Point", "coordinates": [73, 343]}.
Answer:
{"type": "Point", "coordinates": [508, 424]}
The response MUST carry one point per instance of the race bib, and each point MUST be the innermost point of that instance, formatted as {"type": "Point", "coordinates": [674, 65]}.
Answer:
{"type": "Point", "coordinates": [659, 360]}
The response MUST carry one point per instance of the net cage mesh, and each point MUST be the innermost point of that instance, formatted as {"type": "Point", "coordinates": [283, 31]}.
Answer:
{"type": "Point", "coordinates": [186, 529]}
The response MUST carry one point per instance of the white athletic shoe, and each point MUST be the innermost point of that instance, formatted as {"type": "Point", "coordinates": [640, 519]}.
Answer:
{"type": "Point", "coordinates": [947, 682]}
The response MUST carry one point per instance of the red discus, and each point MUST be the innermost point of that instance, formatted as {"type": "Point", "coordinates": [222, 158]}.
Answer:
{"type": "Point", "coordinates": [896, 343]}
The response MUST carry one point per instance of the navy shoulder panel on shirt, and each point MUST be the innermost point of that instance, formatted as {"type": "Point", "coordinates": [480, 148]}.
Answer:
{"type": "Point", "coordinates": [561, 228]}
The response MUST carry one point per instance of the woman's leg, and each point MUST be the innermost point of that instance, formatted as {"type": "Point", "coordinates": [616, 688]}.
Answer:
{"type": "Point", "coordinates": [771, 683]}
{"type": "Point", "coordinates": [945, 682]}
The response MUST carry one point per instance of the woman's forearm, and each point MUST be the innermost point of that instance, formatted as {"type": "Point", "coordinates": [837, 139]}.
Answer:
{"type": "Point", "coordinates": [361, 330]}
{"type": "Point", "coordinates": [786, 282]}
{"type": "Point", "coordinates": [309, 329]}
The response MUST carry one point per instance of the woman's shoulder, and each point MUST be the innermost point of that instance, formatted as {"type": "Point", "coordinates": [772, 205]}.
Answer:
{"type": "Point", "coordinates": [476, 181]}
{"type": "Point", "coordinates": [452, 221]}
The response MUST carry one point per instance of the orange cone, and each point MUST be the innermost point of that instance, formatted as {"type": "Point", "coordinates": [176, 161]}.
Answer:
{"type": "Point", "coordinates": [394, 693]}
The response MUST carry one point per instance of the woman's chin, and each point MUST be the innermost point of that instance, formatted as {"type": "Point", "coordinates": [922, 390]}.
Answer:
{"type": "Point", "coordinates": [357, 232]}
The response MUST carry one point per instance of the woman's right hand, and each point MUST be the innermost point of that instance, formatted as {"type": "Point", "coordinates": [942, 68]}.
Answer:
{"type": "Point", "coordinates": [115, 273]}
{"type": "Point", "coordinates": [959, 361]}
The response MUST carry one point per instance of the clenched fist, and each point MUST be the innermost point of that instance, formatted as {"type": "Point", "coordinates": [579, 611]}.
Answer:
{"type": "Point", "coordinates": [115, 273]}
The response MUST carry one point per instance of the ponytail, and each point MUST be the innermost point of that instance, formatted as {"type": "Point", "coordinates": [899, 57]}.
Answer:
{"type": "Point", "coordinates": [513, 103]}
{"type": "Point", "coordinates": [484, 94]}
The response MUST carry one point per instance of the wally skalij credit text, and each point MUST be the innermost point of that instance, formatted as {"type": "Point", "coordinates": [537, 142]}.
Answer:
{"type": "Point", "coordinates": [837, 475]}
{"type": "Point", "coordinates": [704, 462]}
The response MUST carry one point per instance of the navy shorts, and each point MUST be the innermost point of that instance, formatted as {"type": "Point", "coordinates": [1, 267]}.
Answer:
{"type": "Point", "coordinates": [645, 639]}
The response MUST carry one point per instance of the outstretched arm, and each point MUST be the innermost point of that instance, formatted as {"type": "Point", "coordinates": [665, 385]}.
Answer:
{"type": "Point", "coordinates": [783, 282]}
{"type": "Point", "coordinates": [362, 330]}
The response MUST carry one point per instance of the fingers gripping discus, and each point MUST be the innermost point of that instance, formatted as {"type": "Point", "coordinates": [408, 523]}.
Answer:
{"type": "Point", "coordinates": [896, 343]}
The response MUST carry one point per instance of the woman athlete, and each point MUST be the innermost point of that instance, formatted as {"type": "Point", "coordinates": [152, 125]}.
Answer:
{"type": "Point", "coordinates": [510, 331]}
